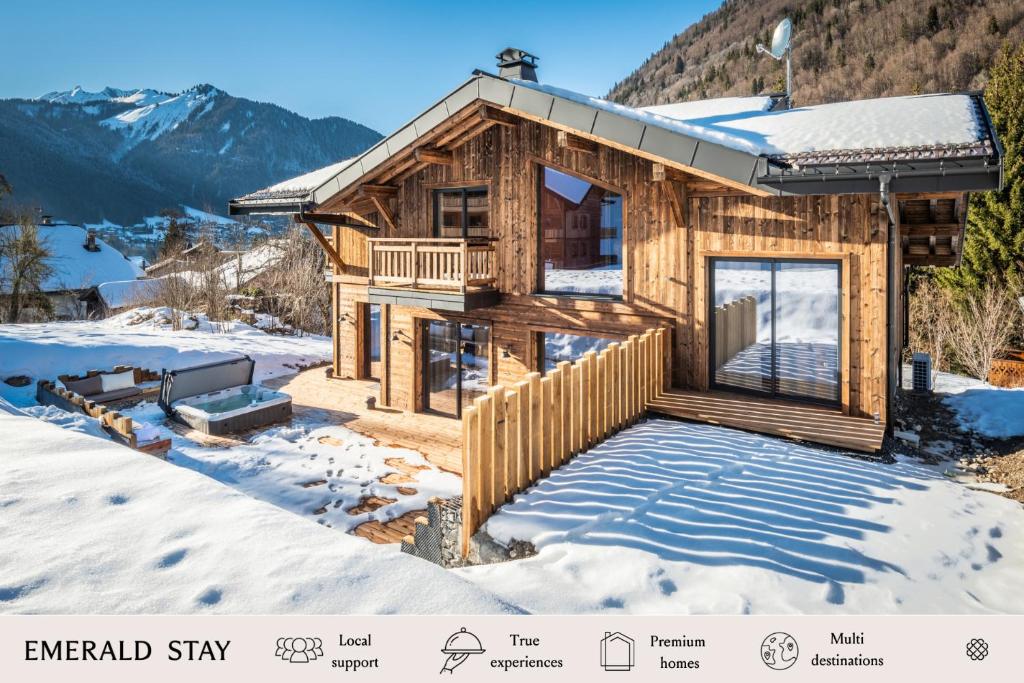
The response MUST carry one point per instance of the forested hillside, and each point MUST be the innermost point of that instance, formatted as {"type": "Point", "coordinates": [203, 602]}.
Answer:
{"type": "Point", "coordinates": [841, 50]}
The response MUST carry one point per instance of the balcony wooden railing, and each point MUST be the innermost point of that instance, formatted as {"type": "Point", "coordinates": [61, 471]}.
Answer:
{"type": "Point", "coordinates": [444, 264]}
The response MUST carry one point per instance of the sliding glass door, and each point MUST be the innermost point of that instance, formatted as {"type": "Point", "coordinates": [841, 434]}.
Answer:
{"type": "Point", "coordinates": [456, 365]}
{"type": "Point", "coordinates": [775, 327]}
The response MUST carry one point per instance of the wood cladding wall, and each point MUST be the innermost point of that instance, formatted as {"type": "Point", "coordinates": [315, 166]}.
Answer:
{"type": "Point", "coordinates": [664, 264]}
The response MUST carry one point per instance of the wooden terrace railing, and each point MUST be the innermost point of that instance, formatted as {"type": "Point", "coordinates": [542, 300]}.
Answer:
{"type": "Point", "coordinates": [438, 263]}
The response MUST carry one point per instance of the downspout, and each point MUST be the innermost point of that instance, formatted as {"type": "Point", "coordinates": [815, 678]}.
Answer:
{"type": "Point", "coordinates": [892, 360]}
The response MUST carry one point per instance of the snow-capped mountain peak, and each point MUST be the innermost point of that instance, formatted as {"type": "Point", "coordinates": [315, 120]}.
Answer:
{"type": "Point", "coordinates": [130, 152]}
{"type": "Point", "coordinates": [149, 113]}
{"type": "Point", "coordinates": [153, 114]}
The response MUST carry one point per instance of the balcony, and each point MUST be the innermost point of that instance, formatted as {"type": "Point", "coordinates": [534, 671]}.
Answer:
{"type": "Point", "coordinates": [443, 274]}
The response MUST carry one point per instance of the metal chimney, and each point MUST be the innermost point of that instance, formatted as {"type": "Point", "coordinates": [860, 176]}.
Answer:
{"type": "Point", "coordinates": [516, 63]}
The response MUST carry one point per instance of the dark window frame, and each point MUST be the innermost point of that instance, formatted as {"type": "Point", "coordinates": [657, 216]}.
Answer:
{"type": "Point", "coordinates": [463, 191]}
{"type": "Point", "coordinates": [774, 393]}
{"type": "Point", "coordinates": [424, 326]}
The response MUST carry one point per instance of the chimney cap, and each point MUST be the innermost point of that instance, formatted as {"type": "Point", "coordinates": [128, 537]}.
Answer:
{"type": "Point", "coordinates": [516, 63]}
{"type": "Point", "coordinates": [511, 56]}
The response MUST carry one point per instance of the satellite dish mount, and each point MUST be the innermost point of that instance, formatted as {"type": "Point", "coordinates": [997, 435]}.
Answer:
{"type": "Point", "coordinates": [782, 47]}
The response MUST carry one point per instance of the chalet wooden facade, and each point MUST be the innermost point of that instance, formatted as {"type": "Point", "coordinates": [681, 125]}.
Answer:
{"type": "Point", "coordinates": [513, 226]}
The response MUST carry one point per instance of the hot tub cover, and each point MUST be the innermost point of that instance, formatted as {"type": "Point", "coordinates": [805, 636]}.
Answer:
{"type": "Point", "coordinates": [203, 379]}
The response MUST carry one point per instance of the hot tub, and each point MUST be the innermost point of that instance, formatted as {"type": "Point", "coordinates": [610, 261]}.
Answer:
{"type": "Point", "coordinates": [235, 409]}
{"type": "Point", "coordinates": [220, 398]}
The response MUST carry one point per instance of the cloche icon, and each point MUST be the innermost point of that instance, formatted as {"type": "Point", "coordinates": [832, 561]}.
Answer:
{"type": "Point", "coordinates": [459, 647]}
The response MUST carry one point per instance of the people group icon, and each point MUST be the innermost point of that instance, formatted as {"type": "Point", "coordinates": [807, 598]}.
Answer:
{"type": "Point", "coordinates": [299, 650]}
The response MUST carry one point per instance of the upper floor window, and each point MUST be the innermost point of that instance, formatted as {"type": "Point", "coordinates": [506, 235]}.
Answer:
{"type": "Point", "coordinates": [580, 237]}
{"type": "Point", "coordinates": [461, 212]}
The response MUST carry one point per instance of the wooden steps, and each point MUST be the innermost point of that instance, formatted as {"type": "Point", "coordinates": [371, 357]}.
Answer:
{"type": "Point", "coordinates": [800, 421]}
{"type": "Point", "coordinates": [390, 532]}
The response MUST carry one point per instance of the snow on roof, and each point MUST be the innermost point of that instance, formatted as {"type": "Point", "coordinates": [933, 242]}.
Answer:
{"type": "Point", "coordinates": [572, 188]}
{"type": "Point", "coordinates": [720, 106]}
{"type": "Point", "coordinates": [164, 539]}
{"type": "Point", "coordinates": [207, 217]}
{"type": "Point", "coordinates": [299, 186]}
{"type": "Point", "coordinates": [244, 268]}
{"type": "Point", "coordinates": [73, 266]}
{"type": "Point", "coordinates": [123, 293]}
{"type": "Point", "coordinates": [748, 125]}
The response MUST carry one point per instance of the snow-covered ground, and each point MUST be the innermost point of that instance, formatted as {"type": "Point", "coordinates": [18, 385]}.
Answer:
{"type": "Point", "coordinates": [705, 519]}
{"type": "Point", "coordinates": [143, 337]}
{"type": "Point", "coordinates": [309, 467]}
{"type": "Point", "coordinates": [991, 411]}
{"type": "Point", "coordinates": [87, 526]}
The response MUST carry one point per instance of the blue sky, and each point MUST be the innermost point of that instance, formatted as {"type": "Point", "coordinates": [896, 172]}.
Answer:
{"type": "Point", "coordinates": [373, 61]}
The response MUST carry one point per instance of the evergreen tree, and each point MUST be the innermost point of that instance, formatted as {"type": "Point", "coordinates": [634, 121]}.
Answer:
{"type": "Point", "coordinates": [994, 246]}
{"type": "Point", "coordinates": [177, 238]}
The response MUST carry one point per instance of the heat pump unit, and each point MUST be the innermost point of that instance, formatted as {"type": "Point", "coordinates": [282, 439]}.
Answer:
{"type": "Point", "coordinates": [921, 371]}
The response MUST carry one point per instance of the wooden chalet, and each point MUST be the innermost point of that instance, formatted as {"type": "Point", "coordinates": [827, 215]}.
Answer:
{"type": "Point", "coordinates": [514, 226]}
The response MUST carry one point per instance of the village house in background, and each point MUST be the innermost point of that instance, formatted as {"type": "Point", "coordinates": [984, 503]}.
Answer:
{"type": "Point", "coordinates": [514, 225]}
{"type": "Point", "coordinates": [79, 261]}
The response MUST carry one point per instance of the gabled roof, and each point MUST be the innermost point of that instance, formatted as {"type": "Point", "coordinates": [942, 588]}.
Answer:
{"type": "Point", "coordinates": [928, 143]}
{"type": "Point", "coordinates": [75, 267]}
{"type": "Point", "coordinates": [122, 293]}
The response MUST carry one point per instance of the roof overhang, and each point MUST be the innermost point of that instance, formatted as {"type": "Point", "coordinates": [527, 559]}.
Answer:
{"type": "Point", "coordinates": [947, 175]}
{"type": "Point", "coordinates": [267, 207]}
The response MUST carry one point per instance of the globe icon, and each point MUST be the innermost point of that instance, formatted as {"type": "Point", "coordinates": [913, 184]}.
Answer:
{"type": "Point", "coordinates": [779, 651]}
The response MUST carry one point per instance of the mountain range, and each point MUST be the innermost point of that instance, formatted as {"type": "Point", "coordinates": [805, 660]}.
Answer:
{"type": "Point", "coordinates": [119, 155]}
{"type": "Point", "coordinates": [841, 50]}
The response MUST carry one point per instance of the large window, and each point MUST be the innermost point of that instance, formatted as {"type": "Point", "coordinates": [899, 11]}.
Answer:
{"type": "Point", "coordinates": [580, 236]}
{"type": "Point", "coordinates": [456, 365]}
{"type": "Point", "coordinates": [461, 212]}
{"type": "Point", "coordinates": [556, 347]}
{"type": "Point", "coordinates": [775, 327]}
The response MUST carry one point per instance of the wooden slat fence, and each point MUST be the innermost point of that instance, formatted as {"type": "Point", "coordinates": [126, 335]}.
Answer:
{"type": "Point", "coordinates": [511, 438]}
{"type": "Point", "coordinates": [735, 328]}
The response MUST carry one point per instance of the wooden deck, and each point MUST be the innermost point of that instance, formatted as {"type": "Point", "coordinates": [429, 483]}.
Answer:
{"type": "Point", "coordinates": [791, 420]}
{"type": "Point", "coordinates": [343, 402]}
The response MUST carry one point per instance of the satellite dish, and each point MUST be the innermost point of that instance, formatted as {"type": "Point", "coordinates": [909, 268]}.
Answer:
{"type": "Point", "coordinates": [781, 37]}
{"type": "Point", "coordinates": [781, 48]}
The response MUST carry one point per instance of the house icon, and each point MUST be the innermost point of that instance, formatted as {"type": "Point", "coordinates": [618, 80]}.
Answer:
{"type": "Point", "coordinates": [617, 652]}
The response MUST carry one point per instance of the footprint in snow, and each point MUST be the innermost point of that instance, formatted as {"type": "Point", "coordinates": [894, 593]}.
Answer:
{"type": "Point", "coordinates": [993, 554]}
{"type": "Point", "coordinates": [172, 558]}
{"type": "Point", "coordinates": [117, 499]}
{"type": "Point", "coordinates": [210, 597]}
{"type": "Point", "coordinates": [995, 532]}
